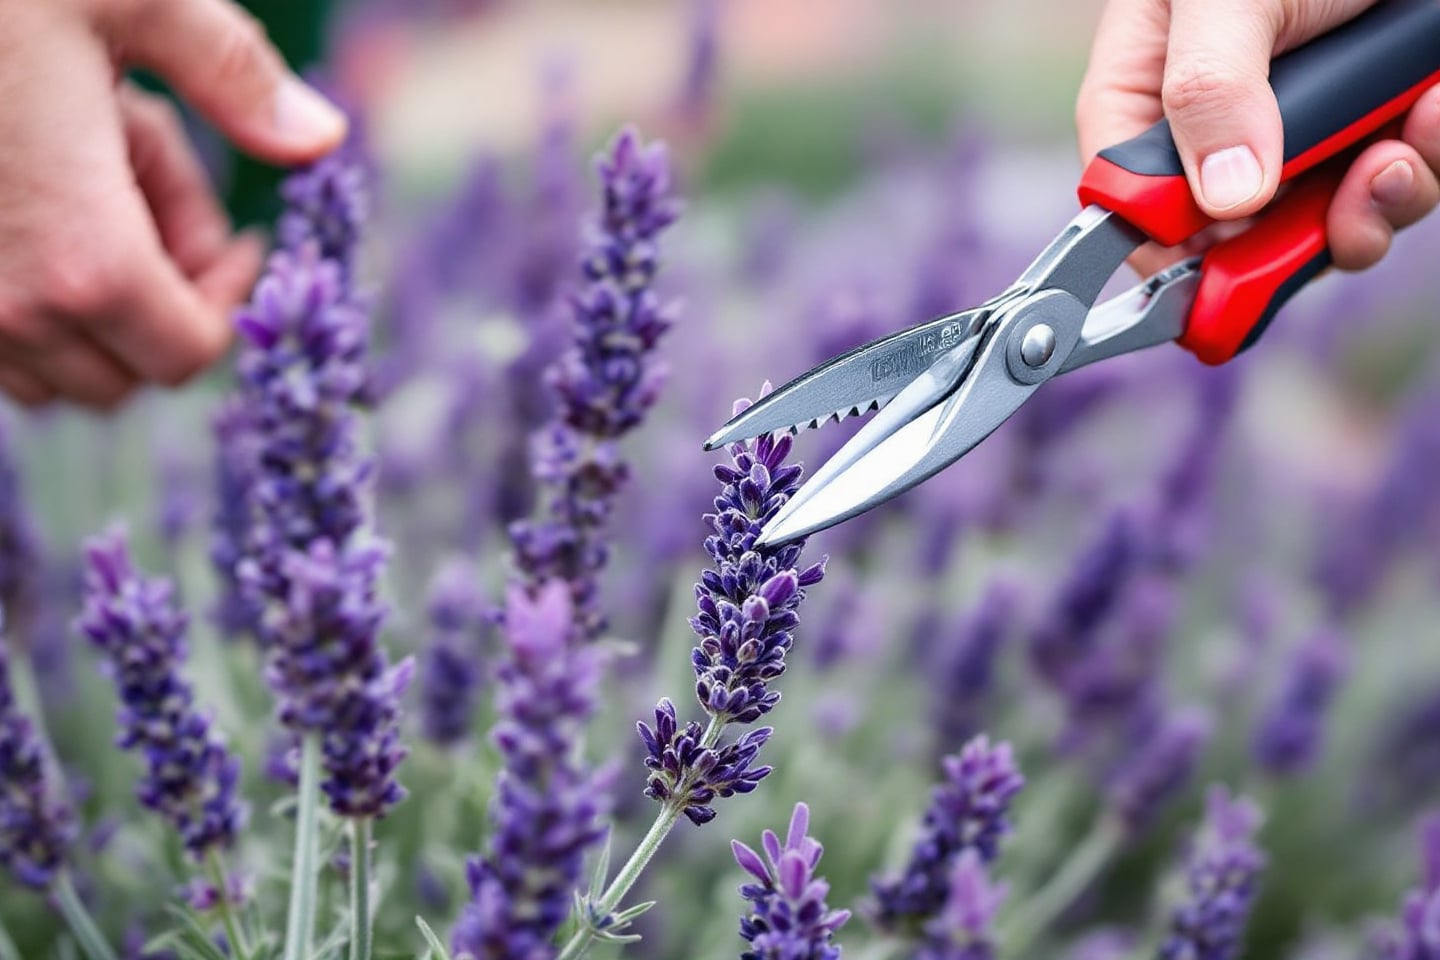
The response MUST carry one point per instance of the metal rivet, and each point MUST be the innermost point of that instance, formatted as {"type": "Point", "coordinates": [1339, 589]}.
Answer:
{"type": "Point", "coordinates": [1038, 346]}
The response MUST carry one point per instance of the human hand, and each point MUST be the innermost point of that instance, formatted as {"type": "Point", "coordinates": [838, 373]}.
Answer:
{"type": "Point", "coordinates": [117, 263]}
{"type": "Point", "coordinates": [1204, 64]}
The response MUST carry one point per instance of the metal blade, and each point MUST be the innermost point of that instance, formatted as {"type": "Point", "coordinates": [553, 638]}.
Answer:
{"type": "Point", "coordinates": [856, 382]}
{"type": "Point", "coordinates": [908, 454]}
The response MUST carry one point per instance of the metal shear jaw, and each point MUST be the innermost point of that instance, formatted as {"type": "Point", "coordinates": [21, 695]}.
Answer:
{"type": "Point", "coordinates": [1042, 326]}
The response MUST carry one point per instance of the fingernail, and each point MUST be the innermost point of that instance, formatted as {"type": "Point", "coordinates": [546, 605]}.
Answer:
{"type": "Point", "coordinates": [1230, 177]}
{"type": "Point", "coordinates": [1394, 185]}
{"type": "Point", "coordinates": [305, 117]}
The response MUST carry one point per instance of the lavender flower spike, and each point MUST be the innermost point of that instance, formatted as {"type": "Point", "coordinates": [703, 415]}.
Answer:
{"type": "Point", "coordinates": [1222, 875]}
{"type": "Point", "coordinates": [192, 775]}
{"type": "Point", "coordinates": [547, 807]}
{"type": "Point", "coordinates": [326, 204]}
{"type": "Point", "coordinates": [1416, 935]}
{"type": "Point", "coordinates": [968, 811]}
{"type": "Point", "coordinates": [1159, 768]}
{"type": "Point", "coordinates": [35, 829]}
{"type": "Point", "coordinates": [1292, 729]}
{"type": "Point", "coordinates": [789, 919]}
{"type": "Point", "coordinates": [962, 930]}
{"type": "Point", "coordinates": [450, 671]}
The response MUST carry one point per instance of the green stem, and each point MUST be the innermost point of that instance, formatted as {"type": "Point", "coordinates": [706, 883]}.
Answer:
{"type": "Point", "coordinates": [233, 930]}
{"type": "Point", "coordinates": [300, 926]}
{"type": "Point", "coordinates": [8, 950]}
{"type": "Point", "coordinates": [1042, 909]}
{"type": "Point", "coordinates": [82, 925]}
{"type": "Point", "coordinates": [360, 919]}
{"type": "Point", "coordinates": [609, 901]}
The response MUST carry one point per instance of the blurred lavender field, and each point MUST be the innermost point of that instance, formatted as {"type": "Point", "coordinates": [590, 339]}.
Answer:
{"type": "Point", "coordinates": [1199, 604]}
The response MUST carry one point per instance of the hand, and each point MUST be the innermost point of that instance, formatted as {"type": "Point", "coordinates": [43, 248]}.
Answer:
{"type": "Point", "coordinates": [1204, 64]}
{"type": "Point", "coordinates": [117, 264]}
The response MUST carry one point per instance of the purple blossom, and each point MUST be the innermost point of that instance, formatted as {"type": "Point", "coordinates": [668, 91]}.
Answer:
{"type": "Point", "coordinates": [1291, 731]}
{"type": "Point", "coordinates": [547, 808]}
{"type": "Point", "coordinates": [1416, 934]}
{"type": "Point", "coordinates": [969, 810]}
{"type": "Point", "coordinates": [965, 674]}
{"type": "Point", "coordinates": [191, 775]}
{"type": "Point", "coordinates": [685, 772]}
{"type": "Point", "coordinates": [607, 381]}
{"type": "Point", "coordinates": [1222, 874]}
{"type": "Point", "coordinates": [326, 205]}
{"type": "Point", "coordinates": [450, 668]}
{"type": "Point", "coordinates": [1159, 767]}
{"type": "Point", "coordinates": [788, 919]}
{"type": "Point", "coordinates": [35, 827]}
{"type": "Point", "coordinates": [962, 929]}
{"type": "Point", "coordinates": [235, 611]}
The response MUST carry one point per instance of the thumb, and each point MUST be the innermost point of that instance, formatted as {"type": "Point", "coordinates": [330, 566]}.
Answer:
{"type": "Point", "coordinates": [218, 58]}
{"type": "Point", "coordinates": [1217, 96]}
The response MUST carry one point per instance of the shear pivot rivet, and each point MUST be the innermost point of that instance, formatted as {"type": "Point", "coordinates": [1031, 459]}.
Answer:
{"type": "Point", "coordinates": [1038, 346]}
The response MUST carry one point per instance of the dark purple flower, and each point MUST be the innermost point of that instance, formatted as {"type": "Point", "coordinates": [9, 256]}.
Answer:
{"type": "Point", "coordinates": [326, 204]}
{"type": "Point", "coordinates": [685, 772]}
{"type": "Point", "coordinates": [236, 612]}
{"type": "Point", "coordinates": [962, 929]}
{"type": "Point", "coordinates": [1222, 874]}
{"type": "Point", "coordinates": [1291, 731]}
{"type": "Point", "coordinates": [964, 675]}
{"type": "Point", "coordinates": [969, 810]}
{"type": "Point", "coordinates": [334, 678]}
{"type": "Point", "coordinates": [607, 381]}
{"type": "Point", "coordinates": [1159, 767]}
{"type": "Point", "coordinates": [35, 827]}
{"type": "Point", "coordinates": [19, 546]}
{"type": "Point", "coordinates": [788, 919]}
{"type": "Point", "coordinates": [191, 775]}
{"type": "Point", "coordinates": [548, 806]}
{"type": "Point", "coordinates": [1416, 935]}
{"type": "Point", "coordinates": [450, 669]}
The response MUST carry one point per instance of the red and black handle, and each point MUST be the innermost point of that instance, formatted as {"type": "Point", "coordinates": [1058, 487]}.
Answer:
{"type": "Point", "coordinates": [1334, 93]}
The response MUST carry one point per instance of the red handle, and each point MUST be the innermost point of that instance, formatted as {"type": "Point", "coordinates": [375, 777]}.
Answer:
{"type": "Point", "coordinates": [1245, 280]}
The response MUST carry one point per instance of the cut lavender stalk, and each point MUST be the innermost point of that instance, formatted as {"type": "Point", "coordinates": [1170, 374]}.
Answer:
{"type": "Point", "coordinates": [962, 929]}
{"type": "Point", "coordinates": [1290, 735]}
{"type": "Point", "coordinates": [1222, 873]}
{"type": "Point", "coordinates": [548, 806]}
{"type": "Point", "coordinates": [969, 810]}
{"type": "Point", "coordinates": [607, 382]}
{"type": "Point", "coordinates": [789, 918]}
{"type": "Point", "coordinates": [191, 774]}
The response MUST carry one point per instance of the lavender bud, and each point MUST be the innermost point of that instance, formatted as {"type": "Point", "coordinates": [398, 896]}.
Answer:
{"type": "Point", "coordinates": [789, 918]}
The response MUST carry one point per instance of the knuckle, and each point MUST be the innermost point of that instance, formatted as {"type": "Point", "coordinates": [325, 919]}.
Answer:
{"type": "Point", "coordinates": [242, 54]}
{"type": "Point", "coordinates": [1200, 85]}
{"type": "Point", "coordinates": [83, 286]}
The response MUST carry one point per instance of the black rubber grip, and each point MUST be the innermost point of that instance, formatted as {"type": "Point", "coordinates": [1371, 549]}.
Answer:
{"type": "Point", "coordinates": [1327, 86]}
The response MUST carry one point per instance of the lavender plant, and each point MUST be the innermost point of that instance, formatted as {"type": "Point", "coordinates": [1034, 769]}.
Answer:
{"type": "Point", "coordinates": [788, 919]}
{"type": "Point", "coordinates": [1222, 872]}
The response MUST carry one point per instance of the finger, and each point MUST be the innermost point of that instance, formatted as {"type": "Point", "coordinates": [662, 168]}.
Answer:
{"type": "Point", "coordinates": [77, 369]}
{"type": "Point", "coordinates": [1217, 96]}
{"type": "Point", "coordinates": [229, 279]}
{"type": "Point", "coordinates": [192, 226]}
{"type": "Point", "coordinates": [219, 59]}
{"type": "Point", "coordinates": [24, 387]}
{"type": "Point", "coordinates": [1422, 128]}
{"type": "Point", "coordinates": [1387, 188]}
{"type": "Point", "coordinates": [1120, 94]}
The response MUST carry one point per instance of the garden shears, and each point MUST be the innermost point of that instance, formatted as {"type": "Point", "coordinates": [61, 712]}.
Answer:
{"type": "Point", "coordinates": [943, 386]}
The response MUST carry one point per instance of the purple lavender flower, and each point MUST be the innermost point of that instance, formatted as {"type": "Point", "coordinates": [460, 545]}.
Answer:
{"type": "Point", "coordinates": [35, 828]}
{"type": "Point", "coordinates": [1159, 767]}
{"type": "Point", "coordinates": [191, 775]}
{"type": "Point", "coordinates": [450, 672]}
{"type": "Point", "coordinates": [962, 929]}
{"type": "Point", "coordinates": [327, 203]}
{"type": "Point", "coordinates": [1291, 731]}
{"type": "Point", "coordinates": [1416, 935]}
{"type": "Point", "coordinates": [966, 670]}
{"type": "Point", "coordinates": [235, 611]}
{"type": "Point", "coordinates": [1222, 874]}
{"type": "Point", "coordinates": [547, 807]}
{"type": "Point", "coordinates": [969, 810]}
{"type": "Point", "coordinates": [607, 382]}
{"type": "Point", "coordinates": [19, 546]}
{"type": "Point", "coordinates": [789, 919]}
{"type": "Point", "coordinates": [691, 775]}
{"type": "Point", "coordinates": [333, 677]}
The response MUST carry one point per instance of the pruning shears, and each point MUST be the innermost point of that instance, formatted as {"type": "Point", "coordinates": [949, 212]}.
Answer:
{"type": "Point", "coordinates": [942, 386]}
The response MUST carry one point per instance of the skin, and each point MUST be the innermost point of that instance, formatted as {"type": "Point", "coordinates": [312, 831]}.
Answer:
{"type": "Point", "coordinates": [1203, 64]}
{"type": "Point", "coordinates": [117, 264]}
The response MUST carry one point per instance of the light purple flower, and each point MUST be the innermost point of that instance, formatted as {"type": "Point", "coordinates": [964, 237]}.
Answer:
{"type": "Point", "coordinates": [962, 929]}
{"type": "Point", "coordinates": [1291, 732]}
{"type": "Point", "coordinates": [191, 774]}
{"type": "Point", "coordinates": [789, 918]}
{"type": "Point", "coordinates": [1416, 935]}
{"type": "Point", "coordinates": [964, 676]}
{"type": "Point", "coordinates": [1222, 875]}
{"type": "Point", "coordinates": [1159, 767]}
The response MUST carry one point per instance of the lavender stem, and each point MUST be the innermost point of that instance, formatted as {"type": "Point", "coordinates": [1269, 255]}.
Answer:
{"type": "Point", "coordinates": [360, 919]}
{"type": "Point", "coordinates": [8, 950]}
{"type": "Point", "coordinates": [665, 821]}
{"type": "Point", "coordinates": [300, 925]}
{"type": "Point", "coordinates": [234, 933]}
{"type": "Point", "coordinates": [1075, 874]}
{"type": "Point", "coordinates": [82, 925]}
